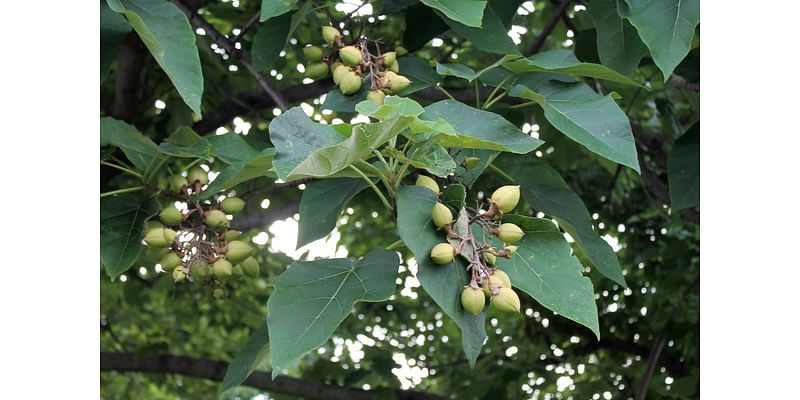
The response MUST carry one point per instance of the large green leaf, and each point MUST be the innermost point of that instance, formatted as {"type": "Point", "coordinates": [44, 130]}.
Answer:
{"type": "Point", "coordinates": [321, 204]}
{"type": "Point", "coordinates": [295, 136]}
{"type": "Point", "coordinates": [666, 27]}
{"type": "Point", "coordinates": [274, 8]}
{"type": "Point", "coordinates": [419, 71]}
{"type": "Point", "coordinates": [478, 129]}
{"type": "Point", "coordinates": [231, 148]}
{"type": "Point", "coordinates": [247, 359]}
{"type": "Point", "coordinates": [336, 101]}
{"type": "Point", "coordinates": [545, 268]}
{"type": "Point", "coordinates": [492, 37]}
{"type": "Point", "coordinates": [433, 158]}
{"type": "Point", "coordinates": [393, 106]}
{"type": "Point", "coordinates": [618, 44]}
{"type": "Point", "coordinates": [442, 282]}
{"type": "Point", "coordinates": [313, 297]}
{"type": "Point", "coordinates": [467, 12]}
{"type": "Point", "coordinates": [546, 191]}
{"type": "Point", "coordinates": [113, 29]}
{"type": "Point", "coordinates": [139, 149]}
{"type": "Point", "coordinates": [564, 62]}
{"type": "Point", "coordinates": [241, 171]}
{"type": "Point", "coordinates": [269, 41]}
{"type": "Point", "coordinates": [594, 121]}
{"type": "Point", "coordinates": [122, 220]}
{"type": "Point", "coordinates": [168, 35]}
{"type": "Point", "coordinates": [185, 142]}
{"type": "Point", "coordinates": [426, 25]}
{"type": "Point", "coordinates": [683, 170]}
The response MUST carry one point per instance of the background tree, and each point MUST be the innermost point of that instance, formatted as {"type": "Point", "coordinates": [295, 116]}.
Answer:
{"type": "Point", "coordinates": [611, 88]}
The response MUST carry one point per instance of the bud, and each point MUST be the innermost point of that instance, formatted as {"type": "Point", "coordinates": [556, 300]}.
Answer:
{"type": "Point", "coordinates": [330, 34]}
{"type": "Point", "coordinates": [394, 67]}
{"type": "Point", "coordinates": [337, 70]}
{"type": "Point", "coordinates": [152, 225]}
{"type": "Point", "coordinates": [312, 53]}
{"type": "Point", "coordinates": [238, 251]}
{"type": "Point", "coordinates": [232, 205]}
{"type": "Point", "coordinates": [197, 174]}
{"type": "Point", "coordinates": [510, 250]}
{"type": "Point", "coordinates": [396, 83]}
{"type": "Point", "coordinates": [251, 267]}
{"type": "Point", "coordinates": [376, 96]}
{"type": "Point", "coordinates": [495, 281]}
{"type": "Point", "coordinates": [155, 254]}
{"type": "Point", "coordinates": [216, 219]}
{"type": "Point", "coordinates": [170, 261]}
{"type": "Point", "coordinates": [472, 300]}
{"type": "Point", "coordinates": [160, 237]}
{"type": "Point", "coordinates": [170, 216]}
{"type": "Point", "coordinates": [222, 268]}
{"type": "Point", "coordinates": [401, 51]}
{"type": "Point", "coordinates": [231, 235]}
{"type": "Point", "coordinates": [471, 162]}
{"type": "Point", "coordinates": [349, 83]}
{"type": "Point", "coordinates": [443, 253]}
{"type": "Point", "coordinates": [178, 275]}
{"type": "Point", "coordinates": [509, 233]}
{"type": "Point", "coordinates": [442, 215]}
{"type": "Point", "coordinates": [490, 258]}
{"type": "Point", "coordinates": [317, 71]}
{"type": "Point", "coordinates": [503, 277]}
{"type": "Point", "coordinates": [506, 300]}
{"type": "Point", "coordinates": [389, 58]}
{"type": "Point", "coordinates": [176, 183]}
{"type": "Point", "coordinates": [201, 268]}
{"type": "Point", "coordinates": [219, 293]}
{"type": "Point", "coordinates": [427, 182]}
{"type": "Point", "coordinates": [237, 270]}
{"type": "Point", "coordinates": [506, 197]}
{"type": "Point", "coordinates": [350, 55]}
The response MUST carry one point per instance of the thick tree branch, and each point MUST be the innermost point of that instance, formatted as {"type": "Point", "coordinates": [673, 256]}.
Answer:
{"type": "Point", "coordinates": [263, 219]}
{"type": "Point", "coordinates": [548, 27]}
{"type": "Point", "coordinates": [131, 60]}
{"type": "Point", "coordinates": [215, 370]}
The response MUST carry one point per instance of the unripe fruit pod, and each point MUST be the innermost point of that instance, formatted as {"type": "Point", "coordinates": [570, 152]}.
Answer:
{"type": "Point", "coordinates": [338, 70]}
{"type": "Point", "coordinates": [427, 182]}
{"type": "Point", "coordinates": [216, 219]}
{"type": "Point", "coordinates": [506, 300]}
{"type": "Point", "coordinates": [389, 58]}
{"type": "Point", "coordinates": [509, 233]}
{"type": "Point", "coordinates": [222, 268]}
{"type": "Point", "coordinates": [152, 225]}
{"type": "Point", "coordinates": [503, 277]}
{"type": "Point", "coordinates": [201, 269]}
{"type": "Point", "coordinates": [219, 293]}
{"type": "Point", "coordinates": [317, 71]}
{"type": "Point", "coordinates": [197, 174]}
{"type": "Point", "coordinates": [237, 251]}
{"type": "Point", "coordinates": [231, 235]}
{"type": "Point", "coordinates": [170, 261]}
{"type": "Point", "coordinates": [394, 67]}
{"type": "Point", "coordinates": [177, 182]}
{"type": "Point", "coordinates": [395, 82]}
{"type": "Point", "coordinates": [496, 281]}
{"type": "Point", "coordinates": [376, 96]}
{"type": "Point", "coordinates": [178, 275]}
{"type": "Point", "coordinates": [472, 300]}
{"type": "Point", "coordinates": [232, 205]}
{"type": "Point", "coordinates": [510, 250]}
{"type": "Point", "coordinates": [349, 83]}
{"type": "Point", "coordinates": [350, 55]}
{"type": "Point", "coordinates": [170, 216]}
{"type": "Point", "coordinates": [490, 258]}
{"type": "Point", "coordinates": [160, 237]}
{"type": "Point", "coordinates": [155, 254]}
{"type": "Point", "coordinates": [471, 162]}
{"type": "Point", "coordinates": [441, 215]}
{"type": "Point", "coordinates": [506, 197]}
{"type": "Point", "coordinates": [330, 34]}
{"type": "Point", "coordinates": [238, 271]}
{"type": "Point", "coordinates": [312, 53]}
{"type": "Point", "coordinates": [443, 253]}
{"type": "Point", "coordinates": [251, 267]}
{"type": "Point", "coordinates": [401, 51]}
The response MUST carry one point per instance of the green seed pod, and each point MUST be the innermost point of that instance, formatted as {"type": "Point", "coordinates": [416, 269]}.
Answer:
{"type": "Point", "coordinates": [506, 300]}
{"type": "Point", "coordinates": [170, 261]}
{"type": "Point", "coordinates": [471, 162]}
{"type": "Point", "coordinates": [401, 51]}
{"type": "Point", "coordinates": [312, 53]}
{"type": "Point", "coordinates": [350, 55]}
{"type": "Point", "coordinates": [510, 250]}
{"type": "Point", "coordinates": [197, 174]}
{"type": "Point", "coordinates": [238, 271]}
{"type": "Point", "coordinates": [472, 300]}
{"type": "Point", "coordinates": [509, 233]}
{"type": "Point", "coordinates": [177, 182]}
{"type": "Point", "coordinates": [231, 235]}
{"type": "Point", "coordinates": [441, 215]}
{"type": "Point", "coordinates": [389, 58]}
{"type": "Point", "coordinates": [490, 258]}
{"type": "Point", "coordinates": [178, 275]}
{"type": "Point", "coordinates": [201, 268]}
{"type": "Point", "coordinates": [232, 205]}
{"type": "Point", "coordinates": [427, 182]}
{"type": "Point", "coordinates": [330, 34]}
{"type": "Point", "coordinates": [443, 253]}
{"type": "Point", "coordinates": [506, 197]}
{"type": "Point", "coordinates": [152, 225]}
{"type": "Point", "coordinates": [155, 254]}
{"type": "Point", "coordinates": [317, 71]}
{"type": "Point", "coordinates": [376, 96]}
{"type": "Point", "coordinates": [237, 251]}
{"type": "Point", "coordinates": [394, 67]}
{"type": "Point", "coordinates": [219, 293]}
{"type": "Point", "coordinates": [251, 267]}
{"type": "Point", "coordinates": [503, 277]}
{"type": "Point", "coordinates": [496, 282]}
{"type": "Point", "coordinates": [337, 69]}
{"type": "Point", "coordinates": [216, 219]}
{"type": "Point", "coordinates": [160, 237]}
{"type": "Point", "coordinates": [222, 268]}
{"type": "Point", "coordinates": [349, 83]}
{"type": "Point", "coordinates": [170, 216]}
{"type": "Point", "coordinates": [396, 83]}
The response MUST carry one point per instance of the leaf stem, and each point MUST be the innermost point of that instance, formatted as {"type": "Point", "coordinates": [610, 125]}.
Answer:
{"type": "Point", "coordinates": [494, 100]}
{"type": "Point", "coordinates": [523, 105]}
{"type": "Point", "coordinates": [372, 185]}
{"type": "Point", "coordinates": [500, 172]}
{"type": "Point", "coordinates": [121, 168]}
{"type": "Point", "coordinates": [499, 86]}
{"type": "Point", "coordinates": [477, 95]}
{"type": "Point", "coordinates": [394, 245]}
{"type": "Point", "coordinates": [441, 89]}
{"type": "Point", "coordinates": [126, 190]}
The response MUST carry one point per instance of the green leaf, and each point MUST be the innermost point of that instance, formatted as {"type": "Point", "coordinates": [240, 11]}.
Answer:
{"type": "Point", "coordinates": [184, 142]}
{"type": "Point", "coordinates": [546, 191]}
{"type": "Point", "coordinates": [467, 12]}
{"type": "Point", "coordinates": [618, 44]}
{"type": "Point", "coordinates": [545, 268]}
{"type": "Point", "coordinates": [458, 70]}
{"type": "Point", "coordinates": [433, 157]}
{"type": "Point", "coordinates": [442, 282]}
{"type": "Point", "coordinates": [491, 38]}
{"type": "Point", "coordinates": [269, 41]}
{"type": "Point", "coordinates": [295, 136]}
{"type": "Point", "coordinates": [564, 62]}
{"type": "Point", "coordinates": [122, 220]}
{"type": "Point", "coordinates": [320, 205]}
{"type": "Point", "coordinates": [313, 297]}
{"type": "Point", "coordinates": [454, 196]}
{"type": "Point", "coordinates": [478, 129]}
{"type": "Point", "coordinates": [419, 71]}
{"type": "Point", "coordinates": [469, 176]}
{"type": "Point", "coordinates": [231, 148]}
{"type": "Point", "coordinates": [247, 359]}
{"type": "Point", "coordinates": [393, 106]}
{"type": "Point", "coordinates": [594, 121]}
{"type": "Point", "coordinates": [336, 101]}
{"type": "Point", "coordinates": [241, 171]}
{"type": "Point", "coordinates": [168, 35]}
{"type": "Point", "coordinates": [274, 8]}
{"type": "Point", "coordinates": [683, 170]}
{"type": "Point", "coordinates": [139, 149]}
{"type": "Point", "coordinates": [113, 29]}
{"type": "Point", "coordinates": [666, 27]}
{"type": "Point", "coordinates": [426, 25]}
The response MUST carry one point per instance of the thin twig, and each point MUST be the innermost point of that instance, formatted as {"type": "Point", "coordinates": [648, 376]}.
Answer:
{"type": "Point", "coordinates": [548, 27]}
{"type": "Point", "coordinates": [247, 26]}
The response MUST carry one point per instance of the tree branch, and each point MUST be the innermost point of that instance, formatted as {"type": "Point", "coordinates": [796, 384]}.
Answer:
{"type": "Point", "coordinates": [548, 27]}
{"type": "Point", "coordinates": [263, 219]}
{"type": "Point", "coordinates": [215, 370]}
